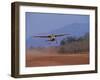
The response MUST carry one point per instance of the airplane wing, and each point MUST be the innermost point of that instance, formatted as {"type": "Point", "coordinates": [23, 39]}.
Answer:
{"type": "Point", "coordinates": [61, 35]}
{"type": "Point", "coordinates": [42, 36]}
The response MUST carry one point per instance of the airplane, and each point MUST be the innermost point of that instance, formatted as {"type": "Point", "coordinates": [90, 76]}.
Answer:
{"type": "Point", "coordinates": [52, 37]}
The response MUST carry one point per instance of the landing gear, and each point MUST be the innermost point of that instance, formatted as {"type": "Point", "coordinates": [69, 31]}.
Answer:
{"type": "Point", "coordinates": [52, 41]}
{"type": "Point", "coordinates": [56, 41]}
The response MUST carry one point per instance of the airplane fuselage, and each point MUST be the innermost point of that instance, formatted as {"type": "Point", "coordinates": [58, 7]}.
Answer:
{"type": "Point", "coordinates": [52, 37]}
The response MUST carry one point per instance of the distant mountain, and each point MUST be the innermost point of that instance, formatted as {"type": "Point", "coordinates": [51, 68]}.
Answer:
{"type": "Point", "coordinates": [75, 29]}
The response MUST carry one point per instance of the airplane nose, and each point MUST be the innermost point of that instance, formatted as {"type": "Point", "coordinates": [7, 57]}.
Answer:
{"type": "Point", "coordinates": [53, 39]}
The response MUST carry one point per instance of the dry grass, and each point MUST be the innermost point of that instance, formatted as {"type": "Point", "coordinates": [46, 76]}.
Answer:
{"type": "Point", "coordinates": [50, 57]}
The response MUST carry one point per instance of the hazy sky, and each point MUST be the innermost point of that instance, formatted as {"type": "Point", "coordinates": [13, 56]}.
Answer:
{"type": "Point", "coordinates": [37, 23]}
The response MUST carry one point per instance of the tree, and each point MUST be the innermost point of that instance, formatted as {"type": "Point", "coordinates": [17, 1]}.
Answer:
{"type": "Point", "coordinates": [75, 45]}
{"type": "Point", "coordinates": [68, 40]}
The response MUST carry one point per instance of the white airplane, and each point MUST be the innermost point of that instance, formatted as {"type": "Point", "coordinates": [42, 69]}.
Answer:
{"type": "Point", "coordinates": [52, 37]}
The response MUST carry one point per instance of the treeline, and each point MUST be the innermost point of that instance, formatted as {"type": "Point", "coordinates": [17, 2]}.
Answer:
{"type": "Point", "coordinates": [75, 45]}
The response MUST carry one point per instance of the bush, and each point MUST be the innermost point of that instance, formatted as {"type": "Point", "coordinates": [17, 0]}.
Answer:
{"type": "Point", "coordinates": [75, 45]}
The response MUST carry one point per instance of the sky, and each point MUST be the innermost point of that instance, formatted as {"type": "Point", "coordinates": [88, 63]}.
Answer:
{"type": "Point", "coordinates": [42, 23]}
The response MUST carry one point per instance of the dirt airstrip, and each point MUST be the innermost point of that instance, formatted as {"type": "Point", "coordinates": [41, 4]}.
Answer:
{"type": "Point", "coordinates": [50, 57]}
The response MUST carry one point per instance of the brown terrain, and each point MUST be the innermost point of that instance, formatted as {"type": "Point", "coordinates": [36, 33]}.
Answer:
{"type": "Point", "coordinates": [51, 57]}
